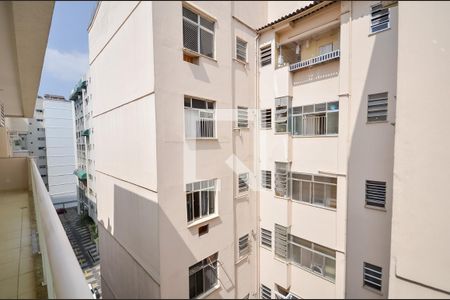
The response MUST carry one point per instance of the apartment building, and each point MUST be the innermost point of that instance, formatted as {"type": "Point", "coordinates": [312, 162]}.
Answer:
{"type": "Point", "coordinates": [175, 218]}
{"type": "Point", "coordinates": [327, 87]}
{"type": "Point", "coordinates": [36, 141]}
{"type": "Point", "coordinates": [280, 183]}
{"type": "Point", "coordinates": [51, 142]}
{"type": "Point", "coordinates": [84, 132]}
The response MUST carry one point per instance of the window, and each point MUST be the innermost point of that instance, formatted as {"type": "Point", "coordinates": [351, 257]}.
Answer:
{"type": "Point", "coordinates": [325, 49]}
{"type": "Point", "coordinates": [243, 182]}
{"type": "Point", "coordinates": [40, 120]}
{"type": "Point", "coordinates": [241, 50]}
{"type": "Point", "coordinates": [281, 114]}
{"type": "Point", "coordinates": [266, 55]}
{"type": "Point", "coordinates": [199, 117]}
{"type": "Point", "coordinates": [314, 189]}
{"type": "Point", "coordinates": [39, 110]}
{"type": "Point", "coordinates": [379, 18]}
{"type": "Point", "coordinates": [266, 179]}
{"type": "Point", "coordinates": [377, 107]}
{"type": "Point", "coordinates": [372, 276]}
{"type": "Point", "coordinates": [200, 199]}
{"type": "Point", "coordinates": [266, 293]}
{"type": "Point", "coordinates": [266, 118]}
{"type": "Point", "coordinates": [203, 276]}
{"type": "Point", "coordinates": [315, 119]}
{"type": "Point", "coordinates": [281, 179]}
{"type": "Point", "coordinates": [242, 117]}
{"type": "Point", "coordinates": [376, 193]}
{"type": "Point", "coordinates": [198, 33]}
{"type": "Point", "coordinates": [41, 148]}
{"type": "Point", "coordinates": [42, 167]}
{"type": "Point", "coordinates": [281, 245]}
{"type": "Point", "coordinates": [321, 260]}
{"type": "Point", "coordinates": [243, 245]}
{"type": "Point", "coordinates": [266, 238]}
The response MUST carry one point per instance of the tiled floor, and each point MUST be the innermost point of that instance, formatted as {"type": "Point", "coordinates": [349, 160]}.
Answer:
{"type": "Point", "coordinates": [20, 265]}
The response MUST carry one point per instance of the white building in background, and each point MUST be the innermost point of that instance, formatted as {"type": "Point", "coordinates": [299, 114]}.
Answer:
{"type": "Point", "coordinates": [84, 132]}
{"type": "Point", "coordinates": [36, 142]}
{"type": "Point", "coordinates": [58, 124]}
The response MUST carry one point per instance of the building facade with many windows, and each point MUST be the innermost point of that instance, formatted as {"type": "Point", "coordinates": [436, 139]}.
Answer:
{"type": "Point", "coordinates": [245, 150]}
{"type": "Point", "coordinates": [84, 133]}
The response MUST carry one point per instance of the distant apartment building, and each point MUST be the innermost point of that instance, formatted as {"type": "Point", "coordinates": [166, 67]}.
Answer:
{"type": "Point", "coordinates": [36, 140]}
{"type": "Point", "coordinates": [51, 143]}
{"type": "Point", "coordinates": [246, 150]}
{"type": "Point", "coordinates": [84, 132]}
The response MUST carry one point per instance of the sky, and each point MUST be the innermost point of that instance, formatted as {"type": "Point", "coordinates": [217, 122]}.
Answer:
{"type": "Point", "coordinates": [66, 58]}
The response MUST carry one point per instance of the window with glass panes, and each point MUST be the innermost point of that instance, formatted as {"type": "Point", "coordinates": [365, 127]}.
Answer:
{"type": "Point", "coordinates": [198, 33]}
{"type": "Point", "coordinates": [200, 199]}
{"type": "Point", "coordinates": [203, 276]}
{"type": "Point", "coordinates": [315, 119]}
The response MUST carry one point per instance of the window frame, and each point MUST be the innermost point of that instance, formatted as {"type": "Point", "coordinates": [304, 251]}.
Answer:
{"type": "Point", "coordinates": [266, 118]}
{"type": "Point", "coordinates": [211, 261]}
{"type": "Point", "coordinates": [370, 284]}
{"type": "Point", "coordinates": [265, 55]}
{"type": "Point", "coordinates": [242, 121]}
{"type": "Point", "coordinates": [266, 292]}
{"type": "Point", "coordinates": [372, 18]}
{"type": "Point", "coordinates": [244, 179]}
{"type": "Point", "coordinates": [378, 97]}
{"type": "Point", "coordinates": [205, 110]}
{"type": "Point", "coordinates": [312, 183]}
{"type": "Point", "coordinates": [282, 106]}
{"type": "Point", "coordinates": [278, 177]}
{"type": "Point", "coordinates": [207, 186]}
{"type": "Point", "coordinates": [299, 112]}
{"type": "Point", "coordinates": [291, 243]}
{"type": "Point", "coordinates": [266, 238]}
{"type": "Point", "coordinates": [199, 28]}
{"type": "Point", "coordinates": [244, 245]}
{"type": "Point", "coordinates": [377, 187]}
{"type": "Point", "coordinates": [239, 39]}
{"type": "Point", "coordinates": [266, 179]}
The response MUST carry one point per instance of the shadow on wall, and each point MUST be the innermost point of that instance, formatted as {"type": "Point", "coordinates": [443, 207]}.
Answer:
{"type": "Point", "coordinates": [130, 250]}
{"type": "Point", "coordinates": [316, 73]}
{"type": "Point", "coordinates": [371, 156]}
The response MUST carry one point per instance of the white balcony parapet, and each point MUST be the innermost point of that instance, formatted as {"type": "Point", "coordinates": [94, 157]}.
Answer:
{"type": "Point", "coordinates": [62, 273]}
{"type": "Point", "coordinates": [315, 60]}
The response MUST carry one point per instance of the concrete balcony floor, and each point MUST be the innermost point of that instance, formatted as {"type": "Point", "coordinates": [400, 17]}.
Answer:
{"type": "Point", "coordinates": [20, 264]}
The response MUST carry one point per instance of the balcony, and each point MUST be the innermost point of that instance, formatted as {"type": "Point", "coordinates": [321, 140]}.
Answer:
{"type": "Point", "coordinates": [315, 60]}
{"type": "Point", "coordinates": [36, 259]}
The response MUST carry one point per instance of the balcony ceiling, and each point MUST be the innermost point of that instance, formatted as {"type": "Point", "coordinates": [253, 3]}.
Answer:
{"type": "Point", "coordinates": [24, 30]}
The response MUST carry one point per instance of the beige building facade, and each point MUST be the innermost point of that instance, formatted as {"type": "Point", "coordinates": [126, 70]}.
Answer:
{"type": "Point", "coordinates": [247, 149]}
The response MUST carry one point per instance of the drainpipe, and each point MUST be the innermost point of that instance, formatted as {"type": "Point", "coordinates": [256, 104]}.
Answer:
{"type": "Point", "coordinates": [257, 166]}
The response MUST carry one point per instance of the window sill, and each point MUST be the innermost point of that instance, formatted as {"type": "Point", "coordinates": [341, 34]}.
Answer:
{"type": "Point", "coordinates": [372, 290]}
{"type": "Point", "coordinates": [313, 273]}
{"type": "Point", "coordinates": [315, 136]}
{"type": "Point", "coordinates": [241, 259]}
{"type": "Point", "coordinates": [282, 198]}
{"type": "Point", "coordinates": [239, 128]}
{"type": "Point", "coordinates": [242, 195]}
{"type": "Point", "coordinates": [383, 209]}
{"type": "Point", "coordinates": [379, 31]}
{"type": "Point", "coordinates": [202, 220]}
{"type": "Point", "coordinates": [376, 122]}
{"type": "Point", "coordinates": [197, 55]}
{"type": "Point", "coordinates": [206, 294]}
{"type": "Point", "coordinates": [202, 139]}
{"type": "Point", "coordinates": [266, 247]}
{"type": "Point", "coordinates": [244, 63]}
{"type": "Point", "coordinates": [313, 205]}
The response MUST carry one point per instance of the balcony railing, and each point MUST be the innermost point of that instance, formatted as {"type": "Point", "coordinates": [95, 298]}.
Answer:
{"type": "Point", "coordinates": [315, 60]}
{"type": "Point", "coordinates": [62, 273]}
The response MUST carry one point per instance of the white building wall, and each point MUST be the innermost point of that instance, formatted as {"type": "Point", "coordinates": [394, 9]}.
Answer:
{"type": "Point", "coordinates": [60, 148]}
